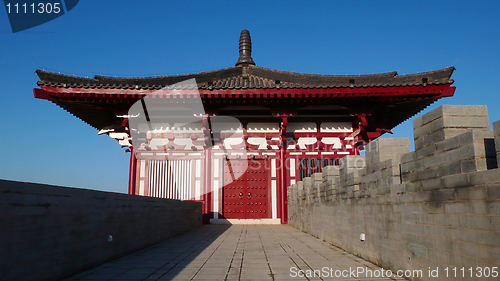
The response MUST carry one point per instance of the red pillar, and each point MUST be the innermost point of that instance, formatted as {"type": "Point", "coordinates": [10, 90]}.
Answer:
{"type": "Point", "coordinates": [283, 186]}
{"type": "Point", "coordinates": [207, 173]}
{"type": "Point", "coordinates": [207, 194]}
{"type": "Point", "coordinates": [132, 172]}
{"type": "Point", "coordinates": [283, 191]}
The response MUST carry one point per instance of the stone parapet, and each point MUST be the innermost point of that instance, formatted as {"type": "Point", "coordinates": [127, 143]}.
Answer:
{"type": "Point", "coordinates": [329, 174]}
{"type": "Point", "coordinates": [437, 206]}
{"type": "Point", "coordinates": [496, 129]}
{"type": "Point", "coordinates": [52, 232]}
{"type": "Point", "coordinates": [383, 162]}
{"type": "Point", "coordinates": [468, 152]}
{"type": "Point", "coordinates": [448, 121]}
{"type": "Point", "coordinates": [348, 181]}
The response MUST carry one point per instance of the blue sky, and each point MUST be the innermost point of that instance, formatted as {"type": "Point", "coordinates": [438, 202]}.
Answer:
{"type": "Point", "coordinates": [43, 143]}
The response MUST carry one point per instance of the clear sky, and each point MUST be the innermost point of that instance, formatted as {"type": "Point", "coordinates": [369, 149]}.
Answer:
{"type": "Point", "coordinates": [43, 143]}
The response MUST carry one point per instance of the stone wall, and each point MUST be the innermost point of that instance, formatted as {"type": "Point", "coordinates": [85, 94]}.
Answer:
{"type": "Point", "coordinates": [51, 232]}
{"type": "Point", "coordinates": [437, 207]}
{"type": "Point", "coordinates": [496, 129]}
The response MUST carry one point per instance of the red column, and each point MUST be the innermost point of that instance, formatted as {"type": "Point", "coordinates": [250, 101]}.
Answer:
{"type": "Point", "coordinates": [207, 175]}
{"type": "Point", "coordinates": [283, 186]}
{"type": "Point", "coordinates": [132, 182]}
{"type": "Point", "coordinates": [208, 183]}
{"type": "Point", "coordinates": [283, 170]}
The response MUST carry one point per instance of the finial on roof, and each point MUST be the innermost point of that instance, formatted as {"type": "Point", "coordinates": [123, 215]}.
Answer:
{"type": "Point", "coordinates": [245, 49]}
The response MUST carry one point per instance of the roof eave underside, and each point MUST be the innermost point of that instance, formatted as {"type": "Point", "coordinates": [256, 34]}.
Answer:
{"type": "Point", "coordinates": [104, 115]}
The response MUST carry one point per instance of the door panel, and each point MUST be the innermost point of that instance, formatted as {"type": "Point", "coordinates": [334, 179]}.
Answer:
{"type": "Point", "coordinates": [234, 189]}
{"type": "Point", "coordinates": [247, 192]}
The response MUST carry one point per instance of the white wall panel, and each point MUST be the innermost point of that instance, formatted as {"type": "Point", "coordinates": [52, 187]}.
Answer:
{"type": "Point", "coordinates": [274, 194]}
{"type": "Point", "coordinates": [170, 179]}
{"type": "Point", "coordinates": [216, 199]}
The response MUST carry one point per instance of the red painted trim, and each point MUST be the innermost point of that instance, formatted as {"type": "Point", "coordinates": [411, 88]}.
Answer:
{"type": "Point", "coordinates": [448, 92]}
{"type": "Point", "coordinates": [332, 92]}
{"type": "Point", "coordinates": [320, 135]}
{"type": "Point", "coordinates": [118, 95]}
{"type": "Point", "coordinates": [40, 94]}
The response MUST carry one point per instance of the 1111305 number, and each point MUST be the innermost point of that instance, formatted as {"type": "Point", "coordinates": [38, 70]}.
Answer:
{"type": "Point", "coordinates": [41, 8]}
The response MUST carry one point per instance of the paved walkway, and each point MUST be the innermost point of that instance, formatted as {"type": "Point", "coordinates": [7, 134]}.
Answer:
{"type": "Point", "coordinates": [238, 252]}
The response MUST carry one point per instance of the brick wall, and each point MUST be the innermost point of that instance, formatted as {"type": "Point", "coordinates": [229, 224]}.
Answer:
{"type": "Point", "coordinates": [50, 232]}
{"type": "Point", "coordinates": [437, 207]}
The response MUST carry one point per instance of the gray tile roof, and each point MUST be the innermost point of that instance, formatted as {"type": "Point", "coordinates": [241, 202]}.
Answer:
{"type": "Point", "coordinates": [387, 110]}
{"type": "Point", "coordinates": [250, 77]}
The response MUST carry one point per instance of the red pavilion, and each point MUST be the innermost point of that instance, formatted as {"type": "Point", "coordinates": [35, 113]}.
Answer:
{"type": "Point", "coordinates": [291, 125]}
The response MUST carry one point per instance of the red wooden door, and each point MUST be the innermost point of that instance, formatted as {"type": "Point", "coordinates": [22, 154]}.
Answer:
{"type": "Point", "coordinates": [247, 192]}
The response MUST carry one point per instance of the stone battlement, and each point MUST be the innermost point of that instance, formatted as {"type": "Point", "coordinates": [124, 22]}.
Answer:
{"type": "Point", "coordinates": [438, 206]}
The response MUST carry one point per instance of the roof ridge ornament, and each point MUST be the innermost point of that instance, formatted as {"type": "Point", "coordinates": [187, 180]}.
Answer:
{"type": "Point", "coordinates": [245, 49]}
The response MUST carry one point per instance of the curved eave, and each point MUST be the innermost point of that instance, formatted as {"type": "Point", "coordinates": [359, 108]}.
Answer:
{"type": "Point", "coordinates": [398, 103]}
{"type": "Point", "coordinates": [251, 77]}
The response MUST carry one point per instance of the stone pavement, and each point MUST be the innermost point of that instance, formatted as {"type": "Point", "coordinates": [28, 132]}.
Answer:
{"type": "Point", "coordinates": [238, 252]}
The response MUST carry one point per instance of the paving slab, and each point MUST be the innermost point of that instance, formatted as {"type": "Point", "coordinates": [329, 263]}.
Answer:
{"type": "Point", "coordinates": [236, 252]}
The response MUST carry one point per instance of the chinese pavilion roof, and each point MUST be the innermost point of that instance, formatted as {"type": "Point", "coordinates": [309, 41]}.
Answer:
{"type": "Point", "coordinates": [246, 75]}
{"type": "Point", "coordinates": [250, 77]}
{"type": "Point", "coordinates": [387, 99]}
